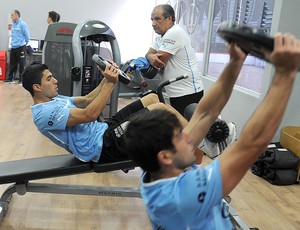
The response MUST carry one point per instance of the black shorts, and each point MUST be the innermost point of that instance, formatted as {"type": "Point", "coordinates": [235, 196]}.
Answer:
{"type": "Point", "coordinates": [113, 136]}
{"type": "Point", "coordinates": [180, 103]}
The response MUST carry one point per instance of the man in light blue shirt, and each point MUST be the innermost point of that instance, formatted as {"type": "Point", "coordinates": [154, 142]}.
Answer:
{"type": "Point", "coordinates": [20, 37]}
{"type": "Point", "coordinates": [72, 122]}
{"type": "Point", "coordinates": [177, 193]}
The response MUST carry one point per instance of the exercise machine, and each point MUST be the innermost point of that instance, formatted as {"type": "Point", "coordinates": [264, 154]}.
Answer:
{"type": "Point", "coordinates": [95, 32]}
{"type": "Point", "coordinates": [57, 54]}
{"type": "Point", "coordinates": [143, 78]}
{"type": "Point", "coordinates": [68, 50]}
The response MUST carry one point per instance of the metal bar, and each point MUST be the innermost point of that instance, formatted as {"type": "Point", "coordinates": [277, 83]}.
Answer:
{"type": "Point", "coordinates": [89, 190]}
{"type": "Point", "coordinates": [238, 223]}
{"type": "Point", "coordinates": [4, 200]}
{"type": "Point", "coordinates": [83, 190]}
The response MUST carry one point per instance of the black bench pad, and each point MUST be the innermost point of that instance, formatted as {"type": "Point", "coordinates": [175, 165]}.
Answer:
{"type": "Point", "coordinates": [111, 166]}
{"type": "Point", "coordinates": [20, 171]}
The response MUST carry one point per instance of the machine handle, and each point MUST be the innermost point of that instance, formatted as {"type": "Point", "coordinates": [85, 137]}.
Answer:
{"type": "Point", "coordinates": [102, 64]}
{"type": "Point", "coordinates": [167, 82]}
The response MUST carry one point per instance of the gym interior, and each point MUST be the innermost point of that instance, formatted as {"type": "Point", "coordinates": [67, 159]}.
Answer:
{"type": "Point", "coordinates": [127, 35]}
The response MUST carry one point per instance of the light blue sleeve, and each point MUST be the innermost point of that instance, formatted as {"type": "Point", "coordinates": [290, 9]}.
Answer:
{"type": "Point", "coordinates": [51, 116]}
{"type": "Point", "coordinates": [71, 99]}
{"type": "Point", "coordinates": [26, 32]}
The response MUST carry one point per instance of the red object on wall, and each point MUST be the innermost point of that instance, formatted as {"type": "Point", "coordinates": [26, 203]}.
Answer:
{"type": "Point", "coordinates": [2, 65]}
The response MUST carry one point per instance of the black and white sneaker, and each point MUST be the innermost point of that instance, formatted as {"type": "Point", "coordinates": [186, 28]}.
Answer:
{"type": "Point", "coordinates": [213, 150]}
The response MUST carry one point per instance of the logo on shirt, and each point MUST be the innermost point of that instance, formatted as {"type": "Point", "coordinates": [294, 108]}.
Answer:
{"type": "Point", "coordinates": [54, 115]}
{"type": "Point", "coordinates": [119, 131]}
{"type": "Point", "coordinates": [201, 197]}
{"type": "Point", "coordinates": [201, 178]}
{"type": "Point", "coordinates": [201, 181]}
{"type": "Point", "coordinates": [160, 228]}
{"type": "Point", "coordinates": [225, 210]}
{"type": "Point", "coordinates": [169, 41]}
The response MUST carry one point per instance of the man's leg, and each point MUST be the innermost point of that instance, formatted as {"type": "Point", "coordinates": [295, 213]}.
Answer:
{"type": "Point", "coordinates": [150, 99]}
{"type": "Point", "coordinates": [13, 65]}
{"type": "Point", "coordinates": [118, 124]}
{"type": "Point", "coordinates": [21, 61]}
{"type": "Point", "coordinates": [132, 108]}
{"type": "Point", "coordinates": [180, 103]}
{"type": "Point", "coordinates": [198, 153]}
{"type": "Point", "coordinates": [112, 149]}
{"type": "Point", "coordinates": [163, 106]}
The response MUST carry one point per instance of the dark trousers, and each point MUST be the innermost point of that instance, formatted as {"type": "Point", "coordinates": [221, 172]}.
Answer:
{"type": "Point", "coordinates": [17, 59]}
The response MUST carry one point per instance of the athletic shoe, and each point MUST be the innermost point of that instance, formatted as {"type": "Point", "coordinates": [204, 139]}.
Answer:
{"type": "Point", "coordinates": [232, 137]}
{"type": "Point", "coordinates": [209, 148]}
{"type": "Point", "coordinates": [212, 150]}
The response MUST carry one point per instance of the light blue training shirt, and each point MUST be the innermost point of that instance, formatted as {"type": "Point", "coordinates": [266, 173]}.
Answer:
{"type": "Point", "coordinates": [85, 140]}
{"type": "Point", "coordinates": [191, 201]}
{"type": "Point", "coordinates": [20, 35]}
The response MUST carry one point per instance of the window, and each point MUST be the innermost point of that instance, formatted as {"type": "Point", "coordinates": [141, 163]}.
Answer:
{"type": "Point", "coordinates": [194, 17]}
{"type": "Point", "coordinates": [254, 13]}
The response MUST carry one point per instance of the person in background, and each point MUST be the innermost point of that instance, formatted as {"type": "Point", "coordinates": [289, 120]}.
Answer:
{"type": "Point", "coordinates": [173, 55]}
{"type": "Point", "coordinates": [20, 36]}
{"type": "Point", "coordinates": [177, 193]}
{"type": "Point", "coordinates": [53, 17]}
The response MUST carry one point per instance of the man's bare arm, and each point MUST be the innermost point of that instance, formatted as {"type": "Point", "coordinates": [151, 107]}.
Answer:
{"type": "Point", "coordinates": [154, 58]}
{"type": "Point", "coordinates": [259, 130]}
{"type": "Point", "coordinates": [92, 111]}
{"type": "Point", "coordinates": [212, 103]}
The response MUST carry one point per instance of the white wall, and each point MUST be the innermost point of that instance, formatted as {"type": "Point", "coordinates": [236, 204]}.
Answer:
{"type": "Point", "coordinates": [129, 19]}
{"type": "Point", "coordinates": [288, 21]}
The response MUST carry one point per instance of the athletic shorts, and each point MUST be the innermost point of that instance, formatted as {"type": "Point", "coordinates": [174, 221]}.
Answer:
{"type": "Point", "coordinates": [180, 103]}
{"type": "Point", "coordinates": [113, 136]}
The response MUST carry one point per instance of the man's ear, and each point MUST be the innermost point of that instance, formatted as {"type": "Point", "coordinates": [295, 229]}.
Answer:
{"type": "Point", "coordinates": [165, 157]}
{"type": "Point", "coordinates": [36, 87]}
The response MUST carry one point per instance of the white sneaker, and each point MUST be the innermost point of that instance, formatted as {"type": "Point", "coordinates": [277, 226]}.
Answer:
{"type": "Point", "coordinates": [232, 137]}
{"type": "Point", "coordinates": [209, 148]}
{"type": "Point", "coordinates": [212, 150]}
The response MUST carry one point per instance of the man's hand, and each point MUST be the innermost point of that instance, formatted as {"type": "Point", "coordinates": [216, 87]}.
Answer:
{"type": "Point", "coordinates": [286, 53]}
{"type": "Point", "coordinates": [110, 73]}
{"type": "Point", "coordinates": [155, 61]}
{"type": "Point", "coordinates": [236, 53]}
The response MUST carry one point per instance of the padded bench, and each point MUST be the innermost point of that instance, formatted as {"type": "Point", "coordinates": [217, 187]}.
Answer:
{"type": "Point", "coordinates": [20, 173]}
